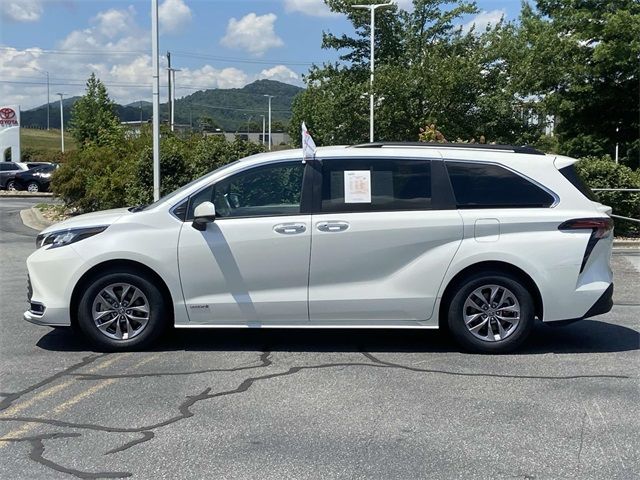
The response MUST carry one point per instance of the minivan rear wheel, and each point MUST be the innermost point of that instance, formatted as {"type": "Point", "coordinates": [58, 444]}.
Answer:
{"type": "Point", "coordinates": [122, 311]}
{"type": "Point", "coordinates": [491, 312]}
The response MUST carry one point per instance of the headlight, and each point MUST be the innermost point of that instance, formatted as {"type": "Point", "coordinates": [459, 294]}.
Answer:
{"type": "Point", "coordinates": [67, 237]}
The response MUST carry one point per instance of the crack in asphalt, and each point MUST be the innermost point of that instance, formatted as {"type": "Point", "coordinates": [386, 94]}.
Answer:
{"type": "Point", "coordinates": [37, 455]}
{"type": "Point", "coordinates": [265, 361]}
{"type": "Point", "coordinates": [9, 398]}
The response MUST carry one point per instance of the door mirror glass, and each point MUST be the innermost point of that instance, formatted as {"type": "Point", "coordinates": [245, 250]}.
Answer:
{"type": "Point", "coordinates": [203, 214]}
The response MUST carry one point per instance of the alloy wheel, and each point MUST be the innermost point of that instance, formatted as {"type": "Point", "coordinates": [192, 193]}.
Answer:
{"type": "Point", "coordinates": [491, 313]}
{"type": "Point", "coordinates": [120, 311]}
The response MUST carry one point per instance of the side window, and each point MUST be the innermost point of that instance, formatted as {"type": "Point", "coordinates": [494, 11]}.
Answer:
{"type": "Point", "coordinates": [369, 185]}
{"type": "Point", "coordinates": [261, 191]}
{"type": "Point", "coordinates": [478, 185]}
{"type": "Point", "coordinates": [8, 166]}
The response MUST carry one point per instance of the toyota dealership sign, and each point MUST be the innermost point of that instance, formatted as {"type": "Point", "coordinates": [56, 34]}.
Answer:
{"type": "Point", "coordinates": [10, 132]}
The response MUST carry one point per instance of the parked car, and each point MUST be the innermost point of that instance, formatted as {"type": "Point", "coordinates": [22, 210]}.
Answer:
{"type": "Point", "coordinates": [31, 165]}
{"type": "Point", "coordinates": [8, 171]}
{"type": "Point", "coordinates": [484, 239]}
{"type": "Point", "coordinates": [36, 179]}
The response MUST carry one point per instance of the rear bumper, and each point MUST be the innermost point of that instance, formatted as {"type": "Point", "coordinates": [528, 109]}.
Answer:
{"type": "Point", "coordinates": [603, 305]}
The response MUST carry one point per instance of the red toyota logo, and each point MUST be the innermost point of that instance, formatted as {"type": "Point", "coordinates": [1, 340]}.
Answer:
{"type": "Point", "coordinates": [7, 113]}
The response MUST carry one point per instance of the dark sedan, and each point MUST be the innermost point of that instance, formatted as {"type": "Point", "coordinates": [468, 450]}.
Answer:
{"type": "Point", "coordinates": [37, 179]}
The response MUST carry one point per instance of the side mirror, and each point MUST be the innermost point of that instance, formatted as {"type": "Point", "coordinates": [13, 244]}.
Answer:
{"type": "Point", "coordinates": [203, 214]}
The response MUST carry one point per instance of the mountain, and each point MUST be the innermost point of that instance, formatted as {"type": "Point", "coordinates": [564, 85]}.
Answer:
{"type": "Point", "coordinates": [229, 108]}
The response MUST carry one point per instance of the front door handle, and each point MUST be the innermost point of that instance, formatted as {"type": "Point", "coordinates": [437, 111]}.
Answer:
{"type": "Point", "coordinates": [289, 228]}
{"type": "Point", "coordinates": [332, 226]}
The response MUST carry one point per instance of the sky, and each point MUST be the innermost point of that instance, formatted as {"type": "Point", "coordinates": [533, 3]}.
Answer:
{"type": "Point", "coordinates": [215, 44]}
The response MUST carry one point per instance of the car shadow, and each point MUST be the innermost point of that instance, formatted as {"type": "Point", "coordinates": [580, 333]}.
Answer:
{"type": "Point", "coordinates": [586, 336]}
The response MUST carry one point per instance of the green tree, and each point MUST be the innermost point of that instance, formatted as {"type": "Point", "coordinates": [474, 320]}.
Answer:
{"type": "Point", "coordinates": [428, 70]}
{"type": "Point", "coordinates": [93, 117]}
{"type": "Point", "coordinates": [580, 60]}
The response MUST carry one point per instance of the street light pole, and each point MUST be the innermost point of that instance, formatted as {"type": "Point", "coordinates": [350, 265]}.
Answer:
{"type": "Point", "coordinates": [269, 97]}
{"type": "Point", "coordinates": [61, 122]}
{"type": "Point", "coordinates": [372, 10]}
{"type": "Point", "coordinates": [262, 129]}
{"type": "Point", "coordinates": [617, 132]}
{"type": "Point", "coordinates": [156, 99]}
{"type": "Point", "coordinates": [248, 125]}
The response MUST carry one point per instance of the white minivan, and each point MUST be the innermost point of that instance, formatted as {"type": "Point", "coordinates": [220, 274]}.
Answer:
{"type": "Point", "coordinates": [483, 238]}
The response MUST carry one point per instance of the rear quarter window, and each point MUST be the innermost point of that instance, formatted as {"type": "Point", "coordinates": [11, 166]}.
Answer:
{"type": "Point", "coordinates": [571, 173]}
{"type": "Point", "coordinates": [482, 185]}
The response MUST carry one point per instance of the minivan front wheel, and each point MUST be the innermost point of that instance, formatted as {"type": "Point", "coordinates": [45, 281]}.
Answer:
{"type": "Point", "coordinates": [122, 311]}
{"type": "Point", "coordinates": [491, 313]}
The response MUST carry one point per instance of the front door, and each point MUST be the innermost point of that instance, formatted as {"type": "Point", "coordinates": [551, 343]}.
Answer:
{"type": "Point", "coordinates": [251, 265]}
{"type": "Point", "coordinates": [381, 245]}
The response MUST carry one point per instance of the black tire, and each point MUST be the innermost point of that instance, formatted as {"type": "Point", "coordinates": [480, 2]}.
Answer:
{"type": "Point", "coordinates": [456, 319]}
{"type": "Point", "coordinates": [158, 317]}
{"type": "Point", "coordinates": [31, 185]}
{"type": "Point", "coordinates": [11, 185]}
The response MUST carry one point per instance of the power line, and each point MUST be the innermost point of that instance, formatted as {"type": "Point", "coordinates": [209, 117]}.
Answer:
{"type": "Point", "coordinates": [144, 52]}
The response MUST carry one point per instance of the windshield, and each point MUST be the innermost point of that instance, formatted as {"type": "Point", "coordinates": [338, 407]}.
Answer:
{"type": "Point", "coordinates": [180, 190]}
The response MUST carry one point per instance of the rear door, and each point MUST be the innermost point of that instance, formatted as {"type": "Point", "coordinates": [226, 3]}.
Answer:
{"type": "Point", "coordinates": [381, 242]}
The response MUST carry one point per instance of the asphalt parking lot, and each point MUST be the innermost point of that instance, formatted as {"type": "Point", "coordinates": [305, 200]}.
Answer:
{"type": "Point", "coordinates": [289, 404]}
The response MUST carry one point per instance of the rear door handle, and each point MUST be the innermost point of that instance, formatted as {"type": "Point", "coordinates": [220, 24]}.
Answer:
{"type": "Point", "coordinates": [289, 228]}
{"type": "Point", "coordinates": [332, 226]}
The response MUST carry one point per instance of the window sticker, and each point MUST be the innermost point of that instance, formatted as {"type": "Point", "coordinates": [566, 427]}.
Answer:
{"type": "Point", "coordinates": [357, 186]}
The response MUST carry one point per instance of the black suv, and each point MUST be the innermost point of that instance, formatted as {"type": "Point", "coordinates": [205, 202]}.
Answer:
{"type": "Point", "coordinates": [37, 179]}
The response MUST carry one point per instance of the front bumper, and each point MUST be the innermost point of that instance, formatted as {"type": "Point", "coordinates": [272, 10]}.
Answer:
{"type": "Point", "coordinates": [52, 275]}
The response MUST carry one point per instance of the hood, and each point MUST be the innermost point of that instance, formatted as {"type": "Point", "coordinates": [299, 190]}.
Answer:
{"type": "Point", "coordinates": [95, 219]}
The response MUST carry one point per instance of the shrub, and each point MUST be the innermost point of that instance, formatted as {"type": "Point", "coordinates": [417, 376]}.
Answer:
{"type": "Point", "coordinates": [603, 172]}
{"type": "Point", "coordinates": [99, 177]}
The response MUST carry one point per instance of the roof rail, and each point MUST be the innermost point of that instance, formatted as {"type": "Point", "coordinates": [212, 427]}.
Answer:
{"type": "Point", "coordinates": [479, 146]}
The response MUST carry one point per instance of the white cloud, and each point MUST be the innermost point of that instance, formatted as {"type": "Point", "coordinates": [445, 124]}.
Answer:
{"type": "Point", "coordinates": [254, 33]}
{"type": "Point", "coordinates": [22, 10]}
{"type": "Point", "coordinates": [313, 8]}
{"type": "Point", "coordinates": [174, 15]}
{"type": "Point", "coordinates": [281, 73]}
{"type": "Point", "coordinates": [112, 23]}
{"type": "Point", "coordinates": [481, 21]}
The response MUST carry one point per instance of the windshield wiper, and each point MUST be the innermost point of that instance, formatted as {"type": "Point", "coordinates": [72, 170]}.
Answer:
{"type": "Point", "coordinates": [137, 208]}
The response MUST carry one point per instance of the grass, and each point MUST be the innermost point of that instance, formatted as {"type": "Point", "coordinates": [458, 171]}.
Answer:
{"type": "Point", "coordinates": [45, 140]}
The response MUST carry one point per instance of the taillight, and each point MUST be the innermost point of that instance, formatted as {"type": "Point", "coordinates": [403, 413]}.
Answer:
{"type": "Point", "coordinates": [600, 228]}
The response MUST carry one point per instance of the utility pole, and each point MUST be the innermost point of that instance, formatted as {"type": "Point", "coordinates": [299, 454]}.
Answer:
{"type": "Point", "coordinates": [61, 122]}
{"type": "Point", "coordinates": [48, 100]}
{"type": "Point", "coordinates": [156, 99]}
{"type": "Point", "coordinates": [372, 9]}
{"type": "Point", "coordinates": [172, 87]}
{"type": "Point", "coordinates": [262, 128]}
{"type": "Point", "coordinates": [169, 87]}
{"type": "Point", "coordinates": [269, 97]}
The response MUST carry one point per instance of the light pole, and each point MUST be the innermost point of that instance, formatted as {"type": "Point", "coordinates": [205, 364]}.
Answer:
{"type": "Point", "coordinates": [269, 97]}
{"type": "Point", "coordinates": [172, 86]}
{"type": "Point", "coordinates": [372, 10]}
{"type": "Point", "coordinates": [61, 122]}
{"type": "Point", "coordinates": [262, 129]}
{"type": "Point", "coordinates": [617, 136]}
{"type": "Point", "coordinates": [156, 99]}
{"type": "Point", "coordinates": [248, 125]}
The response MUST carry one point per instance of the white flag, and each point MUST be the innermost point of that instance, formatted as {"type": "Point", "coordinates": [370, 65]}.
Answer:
{"type": "Point", "coordinates": [308, 145]}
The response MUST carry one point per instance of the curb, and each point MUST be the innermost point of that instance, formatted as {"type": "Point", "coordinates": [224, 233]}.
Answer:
{"type": "Point", "coordinates": [26, 195]}
{"type": "Point", "coordinates": [626, 244]}
{"type": "Point", "coordinates": [32, 218]}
